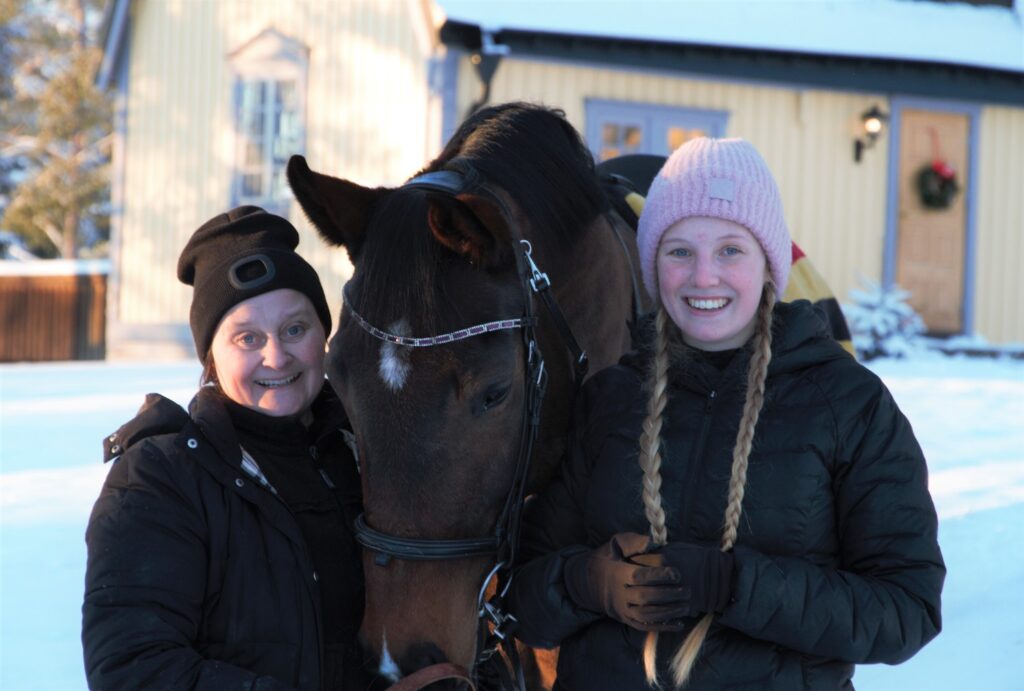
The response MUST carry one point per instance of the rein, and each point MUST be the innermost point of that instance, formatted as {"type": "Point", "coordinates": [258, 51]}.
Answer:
{"type": "Point", "coordinates": [496, 625]}
{"type": "Point", "coordinates": [423, 678]}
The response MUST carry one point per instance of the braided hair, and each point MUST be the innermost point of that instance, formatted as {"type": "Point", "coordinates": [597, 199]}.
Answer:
{"type": "Point", "coordinates": [650, 462]}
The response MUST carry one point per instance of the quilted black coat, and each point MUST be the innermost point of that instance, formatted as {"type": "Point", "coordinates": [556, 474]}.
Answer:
{"type": "Point", "coordinates": [837, 559]}
{"type": "Point", "coordinates": [198, 577]}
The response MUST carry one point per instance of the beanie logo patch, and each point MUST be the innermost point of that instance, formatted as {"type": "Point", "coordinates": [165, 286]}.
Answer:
{"type": "Point", "coordinates": [251, 272]}
{"type": "Point", "coordinates": [722, 188]}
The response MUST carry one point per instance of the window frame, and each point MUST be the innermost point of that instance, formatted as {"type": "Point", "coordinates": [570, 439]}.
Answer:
{"type": "Point", "coordinates": [655, 120]}
{"type": "Point", "coordinates": [270, 59]}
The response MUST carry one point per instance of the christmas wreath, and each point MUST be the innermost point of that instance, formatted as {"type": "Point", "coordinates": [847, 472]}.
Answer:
{"type": "Point", "coordinates": [937, 184]}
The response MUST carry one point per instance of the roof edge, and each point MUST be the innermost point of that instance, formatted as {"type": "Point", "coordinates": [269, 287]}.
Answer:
{"type": "Point", "coordinates": [112, 39]}
{"type": "Point", "coordinates": [827, 71]}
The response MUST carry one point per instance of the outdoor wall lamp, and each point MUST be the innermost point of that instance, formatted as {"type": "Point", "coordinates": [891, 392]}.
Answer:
{"type": "Point", "coordinates": [872, 120]}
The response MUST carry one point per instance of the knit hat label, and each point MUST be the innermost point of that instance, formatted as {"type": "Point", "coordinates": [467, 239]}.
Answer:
{"type": "Point", "coordinates": [722, 188]}
{"type": "Point", "coordinates": [249, 273]}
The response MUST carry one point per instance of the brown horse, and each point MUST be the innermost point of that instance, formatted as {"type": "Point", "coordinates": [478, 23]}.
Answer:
{"type": "Point", "coordinates": [440, 419]}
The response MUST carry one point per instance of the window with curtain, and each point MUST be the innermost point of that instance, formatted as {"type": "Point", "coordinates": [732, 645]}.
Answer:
{"type": "Point", "coordinates": [269, 116]}
{"type": "Point", "coordinates": [617, 128]}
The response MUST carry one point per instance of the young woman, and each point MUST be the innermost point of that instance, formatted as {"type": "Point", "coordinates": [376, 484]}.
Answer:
{"type": "Point", "coordinates": [744, 505]}
{"type": "Point", "coordinates": [221, 553]}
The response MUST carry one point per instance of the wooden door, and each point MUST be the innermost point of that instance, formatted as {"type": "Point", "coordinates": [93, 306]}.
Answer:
{"type": "Point", "coordinates": [930, 246]}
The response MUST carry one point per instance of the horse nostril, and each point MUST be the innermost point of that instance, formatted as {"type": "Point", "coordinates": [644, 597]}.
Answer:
{"type": "Point", "coordinates": [449, 685]}
{"type": "Point", "coordinates": [422, 655]}
{"type": "Point", "coordinates": [428, 660]}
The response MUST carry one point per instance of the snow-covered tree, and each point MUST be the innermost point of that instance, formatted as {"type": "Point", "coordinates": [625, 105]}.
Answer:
{"type": "Point", "coordinates": [881, 322]}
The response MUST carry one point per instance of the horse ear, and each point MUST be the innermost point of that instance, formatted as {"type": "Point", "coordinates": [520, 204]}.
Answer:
{"type": "Point", "coordinates": [473, 227]}
{"type": "Point", "coordinates": [339, 209]}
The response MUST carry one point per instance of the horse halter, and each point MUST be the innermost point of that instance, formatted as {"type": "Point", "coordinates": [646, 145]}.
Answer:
{"type": "Point", "coordinates": [503, 542]}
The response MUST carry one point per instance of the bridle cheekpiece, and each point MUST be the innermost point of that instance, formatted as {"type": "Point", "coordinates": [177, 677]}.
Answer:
{"type": "Point", "coordinates": [502, 544]}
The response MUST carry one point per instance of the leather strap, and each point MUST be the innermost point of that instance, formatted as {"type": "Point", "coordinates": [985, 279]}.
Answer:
{"type": "Point", "coordinates": [426, 676]}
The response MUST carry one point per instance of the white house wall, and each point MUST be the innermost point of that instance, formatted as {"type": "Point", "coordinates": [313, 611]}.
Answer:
{"type": "Point", "coordinates": [369, 117]}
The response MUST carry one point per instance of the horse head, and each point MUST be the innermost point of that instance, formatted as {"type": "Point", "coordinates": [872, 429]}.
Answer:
{"type": "Point", "coordinates": [432, 357]}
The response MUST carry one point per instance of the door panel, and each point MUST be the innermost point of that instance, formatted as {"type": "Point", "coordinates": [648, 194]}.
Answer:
{"type": "Point", "coordinates": [931, 242]}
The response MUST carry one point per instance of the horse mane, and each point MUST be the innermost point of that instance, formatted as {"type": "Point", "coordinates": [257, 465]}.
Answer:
{"type": "Point", "coordinates": [405, 264]}
{"type": "Point", "coordinates": [538, 158]}
{"type": "Point", "coordinates": [529, 151]}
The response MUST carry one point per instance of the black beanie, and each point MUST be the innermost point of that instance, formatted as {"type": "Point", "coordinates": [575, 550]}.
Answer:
{"type": "Point", "coordinates": [238, 255]}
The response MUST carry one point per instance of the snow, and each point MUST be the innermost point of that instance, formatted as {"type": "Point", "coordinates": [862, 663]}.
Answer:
{"type": "Point", "coordinates": [943, 32]}
{"type": "Point", "coordinates": [881, 320]}
{"type": "Point", "coordinates": [968, 415]}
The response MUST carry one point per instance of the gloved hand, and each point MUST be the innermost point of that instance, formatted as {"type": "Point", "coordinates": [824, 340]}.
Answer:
{"type": "Point", "coordinates": [612, 581]}
{"type": "Point", "coordinates": [704, 575]}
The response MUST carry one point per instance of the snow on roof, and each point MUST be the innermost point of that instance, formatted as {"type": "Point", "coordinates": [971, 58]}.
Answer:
{"type": "Point", "coordinates": [942, 32]}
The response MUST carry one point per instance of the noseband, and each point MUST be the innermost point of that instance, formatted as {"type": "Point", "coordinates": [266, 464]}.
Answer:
{"type": "Point", "coordinates": [503, 541]}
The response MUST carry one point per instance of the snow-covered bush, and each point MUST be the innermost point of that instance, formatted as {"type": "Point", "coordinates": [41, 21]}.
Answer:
{"type": "Point", "coordinates": [881, 322]}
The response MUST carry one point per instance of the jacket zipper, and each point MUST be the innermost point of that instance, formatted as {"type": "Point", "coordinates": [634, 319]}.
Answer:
{"type": "Point", "coordinates": [252, 468]}
{"type": "Point", "coordinates": [693, 468]}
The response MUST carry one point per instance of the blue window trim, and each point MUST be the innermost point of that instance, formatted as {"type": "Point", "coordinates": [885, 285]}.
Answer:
{"type": "Point", "coordinates": [275, 204]}
{"type": "Point", "coordinates": [653, 118]}
{"type": "Point", "coordinates": [292, 57]}
{"type": "Point", "coordinates": [891, 243]}
{"type": "Point", "coordinates": [444, 74]}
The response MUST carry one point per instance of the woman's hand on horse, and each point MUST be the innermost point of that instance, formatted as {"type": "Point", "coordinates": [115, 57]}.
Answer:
{"type": "Point", "coordinates": [612, 580]}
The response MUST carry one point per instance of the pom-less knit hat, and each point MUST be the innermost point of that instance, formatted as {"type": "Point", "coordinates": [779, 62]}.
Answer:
{"type": "Point", "coordinates": [718, 178]}
{"type": "Point", "coordinates": [239, 255]}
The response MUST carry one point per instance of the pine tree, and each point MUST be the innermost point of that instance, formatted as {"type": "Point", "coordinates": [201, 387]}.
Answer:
{"type": "Point", "coordinates": [54, 127]}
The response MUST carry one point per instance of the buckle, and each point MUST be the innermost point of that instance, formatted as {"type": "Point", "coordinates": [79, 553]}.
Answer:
{"type": "Point", "coordinates": [538, 279]}
{"type": "Point", "coordinates": [504, 623]}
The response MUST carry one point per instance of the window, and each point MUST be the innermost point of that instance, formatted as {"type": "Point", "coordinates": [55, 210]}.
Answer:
{"type": "Point", "coordinates": [617, 128]}
{"type": "Point", "coordinates": [269, 115]}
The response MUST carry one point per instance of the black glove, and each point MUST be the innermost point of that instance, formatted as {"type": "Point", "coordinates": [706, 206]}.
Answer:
{"type": "Point", "coordinates": [704, 574]}
{"type": "Point", "coordinates": [609, 580]}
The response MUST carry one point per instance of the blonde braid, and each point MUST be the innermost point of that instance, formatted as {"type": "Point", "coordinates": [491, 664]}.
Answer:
{"type": "Point", "coordinates": [686, 656]}
{"type": "Point", "coordinates": [650, 461]}
{"type": "Point", "coordinates": [650, 440]}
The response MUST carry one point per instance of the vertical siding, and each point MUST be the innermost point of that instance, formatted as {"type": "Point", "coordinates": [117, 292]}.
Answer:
{"type": "Point", "coordinates": [835, 207]}
{"type": "Point", "coordinates": [367, 102]}
{"type": "Point", "coordinates": [999, 296]}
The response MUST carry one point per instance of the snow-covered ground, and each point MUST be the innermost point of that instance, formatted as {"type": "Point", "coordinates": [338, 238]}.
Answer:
{"type": "Point", "coordinates": [968, 415]}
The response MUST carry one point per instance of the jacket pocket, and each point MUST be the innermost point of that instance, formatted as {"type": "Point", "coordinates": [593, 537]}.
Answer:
{"type": "Point", "coordinates": [281, 661]}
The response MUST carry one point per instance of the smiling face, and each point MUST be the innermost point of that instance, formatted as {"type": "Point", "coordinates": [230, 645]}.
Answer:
{"type": "Point", "coordinates": [268, 352]}
{"type": "Point", "coordinates": [711, 273]}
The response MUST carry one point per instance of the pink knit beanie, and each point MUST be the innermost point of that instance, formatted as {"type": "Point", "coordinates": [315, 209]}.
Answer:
{"type": "Point", "coordinates": [719, 178]}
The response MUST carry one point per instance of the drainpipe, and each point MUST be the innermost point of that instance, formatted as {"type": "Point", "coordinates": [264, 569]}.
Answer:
{"type": "Point", "coordinates": [486, 62]}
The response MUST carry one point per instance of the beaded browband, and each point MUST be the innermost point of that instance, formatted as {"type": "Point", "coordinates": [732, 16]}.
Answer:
{"type": "Point", "coordinates": [426, 341]}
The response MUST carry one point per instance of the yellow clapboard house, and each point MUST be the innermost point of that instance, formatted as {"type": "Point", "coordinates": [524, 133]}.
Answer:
{"type": "Point", "coordinates": [848, 101]}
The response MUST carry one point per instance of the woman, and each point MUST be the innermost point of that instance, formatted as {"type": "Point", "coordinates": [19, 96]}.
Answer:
{"type": "Point", "coordinates": [221, 553]}
{"type": "Point", "coordinates": [740, 485]}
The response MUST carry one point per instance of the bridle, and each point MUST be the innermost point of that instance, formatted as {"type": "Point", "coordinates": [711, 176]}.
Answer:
{"type": "Point", "coordinates": [495, 624]}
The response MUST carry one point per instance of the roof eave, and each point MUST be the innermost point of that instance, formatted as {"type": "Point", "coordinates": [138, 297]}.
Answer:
{"type": "Point", "coordinates": [113, 34]}
{"type": "Point", "coordinates": [839, 72]}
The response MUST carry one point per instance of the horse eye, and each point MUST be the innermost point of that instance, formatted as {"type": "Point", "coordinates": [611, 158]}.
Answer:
{"type": "Point", "coordinates": [491, 398]}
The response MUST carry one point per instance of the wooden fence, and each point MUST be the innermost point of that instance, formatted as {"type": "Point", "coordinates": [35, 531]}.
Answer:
{"type": "Point", "coordinates": [53, 310]}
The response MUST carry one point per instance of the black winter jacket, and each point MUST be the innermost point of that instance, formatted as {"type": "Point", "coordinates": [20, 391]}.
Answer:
{"type": "Point", "coordinates": [837, 559]}
{"type": "Point", "coordinates": [198, 577]}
